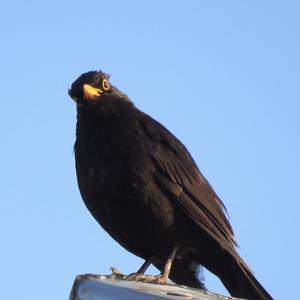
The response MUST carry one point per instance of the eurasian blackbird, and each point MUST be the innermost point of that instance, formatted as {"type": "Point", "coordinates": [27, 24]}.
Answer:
{"type": "Point", "coordinates": [143, 187]}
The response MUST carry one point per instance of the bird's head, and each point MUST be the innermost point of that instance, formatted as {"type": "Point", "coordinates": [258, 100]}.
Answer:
{"type": "Point", "coordinates": [92, 87]}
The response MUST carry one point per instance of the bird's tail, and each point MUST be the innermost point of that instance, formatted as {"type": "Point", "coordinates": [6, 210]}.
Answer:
{"type": "Point", "coordinates": [240, 282]}
{"type": "Point", "coordinates": [232, 271]}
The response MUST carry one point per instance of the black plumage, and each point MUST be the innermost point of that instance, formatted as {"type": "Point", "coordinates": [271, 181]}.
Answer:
{"type": "Point", "coordinates": [143, 187]}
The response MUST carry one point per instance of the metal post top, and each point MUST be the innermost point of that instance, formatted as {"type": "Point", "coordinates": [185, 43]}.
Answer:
{"type": "Point", "coordinates": [96, 287]}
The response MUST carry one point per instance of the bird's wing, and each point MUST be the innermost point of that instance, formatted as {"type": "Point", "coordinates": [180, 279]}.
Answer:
{"type": "Point", "coordinates": [179, 177]}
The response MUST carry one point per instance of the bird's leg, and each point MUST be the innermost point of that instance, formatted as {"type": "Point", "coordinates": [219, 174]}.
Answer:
{"type": "Point", "coordinates": [164, 275]}
{"type": "Point", "coordinates": [145, 266]}
{"type": "Point", "coordinates": [161, 278]}
{"type": "Point", "coordinates": [139, 275]}
{"type": "Point", "coordinates": [141, 270]}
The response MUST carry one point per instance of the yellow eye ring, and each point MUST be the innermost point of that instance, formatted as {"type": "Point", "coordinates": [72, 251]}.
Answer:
{"type": "Point", "coordinates": [105, 84]}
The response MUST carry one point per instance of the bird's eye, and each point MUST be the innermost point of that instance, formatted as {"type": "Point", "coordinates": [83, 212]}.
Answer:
{"type": "Point", "coordinates": [105, 85]}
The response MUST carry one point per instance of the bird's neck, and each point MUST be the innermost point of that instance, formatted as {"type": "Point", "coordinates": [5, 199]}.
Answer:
{"type": "Point", "coordinates": [106, 116]}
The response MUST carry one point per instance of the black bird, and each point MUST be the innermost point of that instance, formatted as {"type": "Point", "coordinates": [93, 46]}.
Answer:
{"type": "Point", "coordinates": [143, 187]}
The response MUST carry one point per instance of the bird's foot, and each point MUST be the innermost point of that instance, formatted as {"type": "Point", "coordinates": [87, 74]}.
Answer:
{"type": "Point", "coordinates": [131, 277]}
{"type": "Point", "coordinates": [158, 279]}
{"type": "Point", "coordinates": [135, 277]}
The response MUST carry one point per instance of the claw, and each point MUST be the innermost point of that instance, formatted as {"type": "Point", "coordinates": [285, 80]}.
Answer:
{"type": "Point", "coordinates": [116, 273]}
{"type": "Point", "coordinates": [160, 279]}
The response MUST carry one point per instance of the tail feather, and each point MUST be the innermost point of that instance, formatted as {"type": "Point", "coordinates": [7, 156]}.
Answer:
{"type": "Point", "coordinates": [240, 282]}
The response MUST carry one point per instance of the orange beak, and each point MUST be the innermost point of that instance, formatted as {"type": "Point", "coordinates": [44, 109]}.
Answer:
{"type": "Point", "coordinates": [90, 92]}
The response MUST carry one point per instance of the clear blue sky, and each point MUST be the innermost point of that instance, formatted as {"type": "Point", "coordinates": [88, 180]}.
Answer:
{"type": "Point", "coordinates": [223, 76]}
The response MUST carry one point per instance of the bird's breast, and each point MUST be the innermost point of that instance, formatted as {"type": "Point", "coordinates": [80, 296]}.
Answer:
{"type": "Point", "coordinates": [116, 179]}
